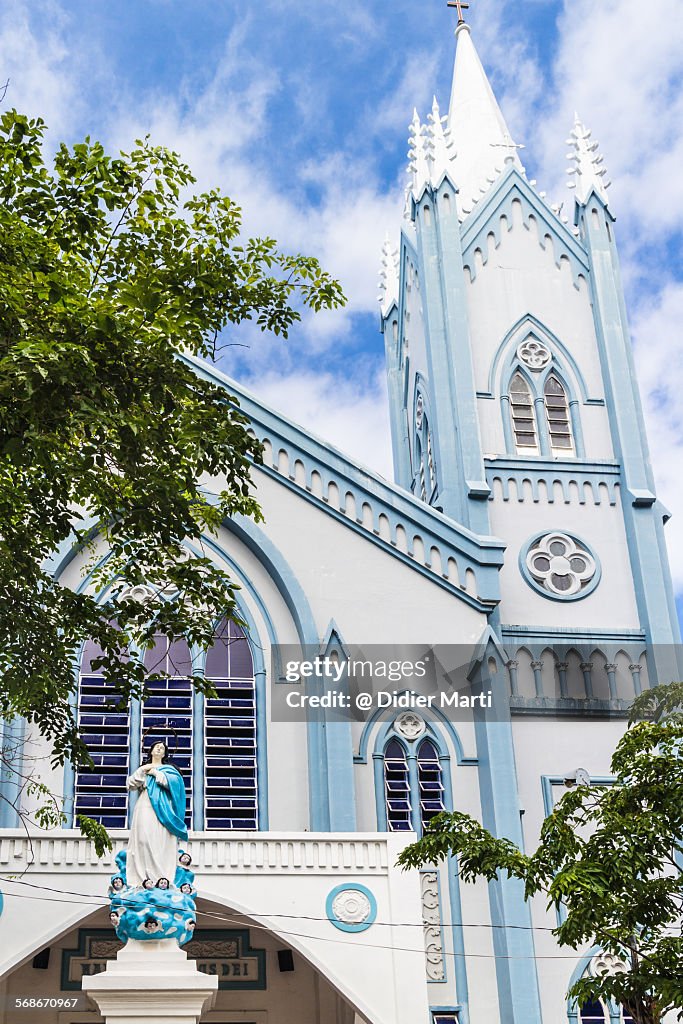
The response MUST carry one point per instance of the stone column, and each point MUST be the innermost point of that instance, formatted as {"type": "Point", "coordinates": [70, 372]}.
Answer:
{"type": "Point", "coordinates": [151, 983]}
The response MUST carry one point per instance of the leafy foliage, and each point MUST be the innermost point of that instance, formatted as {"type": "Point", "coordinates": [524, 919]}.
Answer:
{"type": "Point", "coordinates": [610, 856]}
{"type": "Point", "coordinates": [109, 280]}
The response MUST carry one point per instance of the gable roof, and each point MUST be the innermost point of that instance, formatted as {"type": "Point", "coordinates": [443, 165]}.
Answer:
{"type": "Point", "coordinates": [384, 514]}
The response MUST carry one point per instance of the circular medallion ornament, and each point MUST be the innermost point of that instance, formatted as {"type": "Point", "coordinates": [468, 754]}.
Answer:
{"type": "Point", "coordinates": [560, 566]}
{"type": "Point", "coordinates": [534, 354]}
{"type": "Point", "coordinates": [410, 725]}
{"type": "Point", "coordinates": [140, 592]}
{"type": "Point", "coordinates": [351, 908]}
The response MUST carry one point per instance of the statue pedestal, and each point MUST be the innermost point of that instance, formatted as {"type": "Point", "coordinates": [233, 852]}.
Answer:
{"type": "Point", "coordinates": [151, 982]}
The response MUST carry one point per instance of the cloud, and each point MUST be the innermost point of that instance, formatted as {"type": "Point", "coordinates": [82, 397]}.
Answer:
{"type": "Point", "coordinates": [657, 334]}
{"type": "Point", "coordinates": [42, 72]}
{"type": "Point", "coordinates": [349, 412]}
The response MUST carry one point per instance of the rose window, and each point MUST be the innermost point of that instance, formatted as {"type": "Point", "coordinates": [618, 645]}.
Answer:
{"type": "Point", "coordinates": [560, 565]}
{"type": "Point", "coordinates": [534, 354]}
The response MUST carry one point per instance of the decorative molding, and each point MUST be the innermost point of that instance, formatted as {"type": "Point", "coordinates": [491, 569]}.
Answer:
{"type": "Point", "coordinates": [494, 214]}
{"type": "Point", "coordinates": [549, 559]}
{"type": "Point", "coordinates": [351, 908]}
{"type": "Point", "coordinates": [571, 706]}
{"type": "Point", "coordinates": [607, 964]}
{"type": "Point", "coordinates": [534, 354]}
{"type": "Point", "coordinates": [141, 593]}
{"type": "Point", "coordinates": [572, 481]}
{"type": "Point", "coordinates": [454, 557]}
{"type": "Point", "coordinates": [410, 725]}
{"type": "Point", "coordinates": [247, 853]}
{"type": "Point", "coordinates": [435, 964]}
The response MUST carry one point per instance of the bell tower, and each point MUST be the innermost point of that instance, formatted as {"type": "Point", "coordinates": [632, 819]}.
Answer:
{"type": "Point", "coordinates": [514, 406]}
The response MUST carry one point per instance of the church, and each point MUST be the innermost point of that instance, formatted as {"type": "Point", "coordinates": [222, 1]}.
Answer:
{"type": "Point", "coordinates": [522, 527]}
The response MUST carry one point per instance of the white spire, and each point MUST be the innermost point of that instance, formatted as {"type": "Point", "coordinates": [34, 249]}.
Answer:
{"type": "Point", "coordinates": [477, 126]}
{"type": "Point", "coordinates": [587, 171]}
{"type": "Point", "coordinates": [388, 277]}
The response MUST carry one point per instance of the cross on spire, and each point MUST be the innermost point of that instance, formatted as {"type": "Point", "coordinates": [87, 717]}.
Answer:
{"type": "Point", "coordinates": [460, 6]}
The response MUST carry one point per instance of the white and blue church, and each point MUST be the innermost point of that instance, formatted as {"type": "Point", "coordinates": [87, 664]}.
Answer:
{"type": "Point", "coordinates": [522, 523]}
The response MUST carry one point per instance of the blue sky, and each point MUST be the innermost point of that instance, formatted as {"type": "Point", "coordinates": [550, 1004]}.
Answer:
{"type": "Point", "coordinates": [300, 111]}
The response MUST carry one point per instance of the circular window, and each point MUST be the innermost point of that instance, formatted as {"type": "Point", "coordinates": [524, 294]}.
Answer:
{"type": "Point", "coordinates": [560, 566]}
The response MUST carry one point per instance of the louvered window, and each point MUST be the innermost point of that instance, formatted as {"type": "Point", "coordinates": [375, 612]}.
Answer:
{"type": "Point", "coordinates": [430, 781]}
{"type": "Point", "coordinates": [231, 794]}
{"type": "Point", "coordinates": [523, 415]}
{"type": "Point", "coordinates": [230, 798]}
{"type": "Point", "coordinates": [101, 792]}
{"type": "Point", "coordinates": [167, 712]}
{"type": "Point", "coordinates": [397, 788]}
{"type": "Point", "coordinates": [557, 415]}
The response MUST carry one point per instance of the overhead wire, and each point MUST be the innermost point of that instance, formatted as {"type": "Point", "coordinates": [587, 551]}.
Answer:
{"type": "Point", "coordinates": [248, 920]}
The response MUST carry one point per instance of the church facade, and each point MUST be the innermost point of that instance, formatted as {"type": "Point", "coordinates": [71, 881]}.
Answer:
{"type": "Point", "coordinates": [522, 527]}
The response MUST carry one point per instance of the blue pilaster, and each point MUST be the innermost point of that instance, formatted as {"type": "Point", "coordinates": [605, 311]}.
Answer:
{"type": "Point", "coordinates": [642, 517]}
{"type": "Point", "coordinates": [400, 443]}
{"type": "Point", "coordinates": [462, 484]}
{"type": "Point", "coordinates": [11, 771]}
{"type": "Point", "coordinates": [513, 941]}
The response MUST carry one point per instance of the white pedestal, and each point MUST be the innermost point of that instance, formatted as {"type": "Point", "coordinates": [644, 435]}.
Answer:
{"type": "Point", "coordinates": [151, 982]}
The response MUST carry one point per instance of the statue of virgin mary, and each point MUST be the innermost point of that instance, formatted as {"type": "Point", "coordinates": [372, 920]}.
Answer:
{"type": "Point", "coordinates": [158, 820]}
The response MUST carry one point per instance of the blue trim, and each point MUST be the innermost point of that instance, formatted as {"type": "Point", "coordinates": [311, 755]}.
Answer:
{"type": "Point", "coordinates": [199, 660]}
{"type": "Point", "coordinates": [482, 553]}
{"type": "Point", "coordinates": [338, 744]}
{"type": "Point", "coordinates": [526, 325]}
{"type": "Point", "coordinates": [485, 220]}
{"type": "Point", "coordinates": [528, 578]}
{"type": "Point", "coordinates": [13, 734]}
{"type": "Point", "coordinates": [536, 470]}
{"type": "Point", "coordinates": [649, 565]}
{"type": "Point", "coordinates": [380, 795]}
{"type": "Point", "coordinates": [536, 382]}
{"type": "Point", "coordinates": [458, 935]}
{"type": "Point", "coordinates": [342, 925]}
{"type": "Point", "coordinates": [459, 1012]}
{"type": "Point", "coordinates": [388, 716]}
{"type": "Point", "coordinates": [572, 636]}
{"type": "Point", "coordinates": [515, 964]}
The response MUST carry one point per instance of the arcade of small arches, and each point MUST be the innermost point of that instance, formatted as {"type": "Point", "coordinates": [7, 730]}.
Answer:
{"type": "Point", "coordinates": [576, 673]}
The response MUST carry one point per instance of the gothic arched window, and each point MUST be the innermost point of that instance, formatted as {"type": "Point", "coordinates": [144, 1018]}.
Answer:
{"type": "Point", "coordinates": [413, 804]}
{"type": "Point", "coordinates": [430, 780]}
{"type": "Point", "coordinates": [101, 793]}
{"type": "Point", "coordinates": [592, 1013]}
{"type": "Point", "coordinates": [397, 788]}
{"type": "Point", "coordinates": [523, 415]}
{"type": "Point", "coordinates": [217, 732]}
{"type": "Point", "coordinates": [557, 415]}
{"type": "Point", "coordinates": [230, 754]}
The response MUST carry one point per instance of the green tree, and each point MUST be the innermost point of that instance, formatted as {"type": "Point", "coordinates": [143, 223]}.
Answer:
{"type": "Point", "coordinates": [610, 856]}
{"type": "Point", "coordinates": [109, 277]}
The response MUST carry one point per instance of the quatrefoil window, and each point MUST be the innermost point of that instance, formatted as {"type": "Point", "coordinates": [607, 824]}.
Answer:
{"type": "Point", "coordinates": [561, 565]}
{"type": "Point", "coordinates": [534, 354]}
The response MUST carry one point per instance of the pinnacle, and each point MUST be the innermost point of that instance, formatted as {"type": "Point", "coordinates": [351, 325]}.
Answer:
{"type": "Point", "coordinates": [431, 149]}
{"type": "Point", "coordinates": [586, 171]}
{"type": "Point", "coordinates": [388, 277]}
